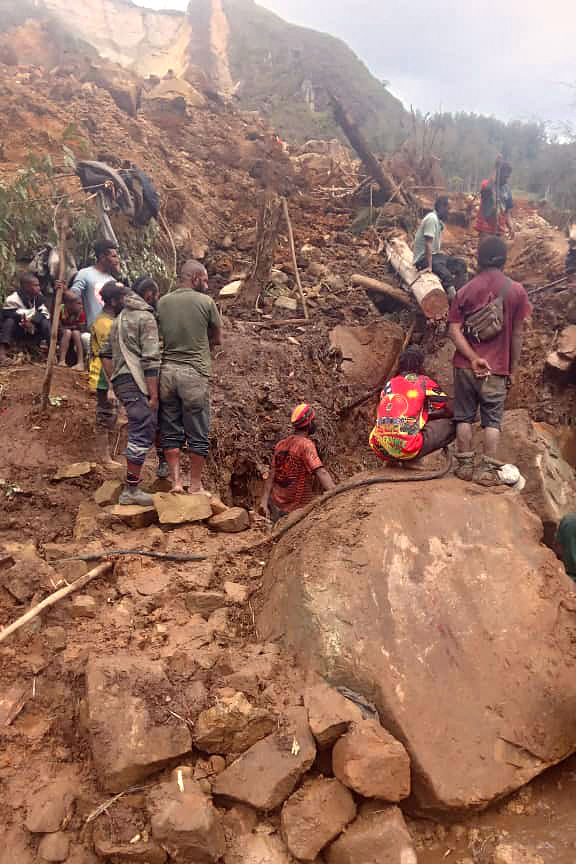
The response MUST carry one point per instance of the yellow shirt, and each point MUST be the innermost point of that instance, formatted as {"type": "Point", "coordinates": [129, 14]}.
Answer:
{"type": "Point", "coordinates": [99, 333]}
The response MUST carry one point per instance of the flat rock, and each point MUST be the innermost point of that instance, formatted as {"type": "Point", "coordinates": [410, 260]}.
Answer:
{"type": "Point", "coordinates": [447, 606]}
{"type": "Point", "coordinates": [50, 808]}
{"type": "Point", "coordinates": [77, 469]}
{"type": "Point", "coordinates": [108, 493]}
{"type": "Point", "coordinates": [184, 821]}
{"type": "Point", "coordinates": [284, 302]}
{"type": "Point", "coordinates": [257, 849]}
{"type": "Point", "coordinates": [12, 701]}
{"type": "Point", "coordinates": [315, 815]}
{"type": "Point", "coordinates": [370, 761]}
{"type": "Point", "coordinates": [181, 509]}
{"type": "Point", "coordinates": [146, 851]}
{"type": "Point", "coordinates": [204, 602]}
{"type": "Point", "coordinates": [232, 521]}
{"type": "Point", "coordinates": [84, 606]}
{"type": "Point", "coordinates": [514, 853]}
{"type": "Point", "coordinates": [268, 772]}
{"type": "Point", "coordinates": [236, 592]}
{"type": "Point", "coordinates": [54, 847]}
{"type": "Point", "coordinates": [135, 517]}
{"type": "Point", "coordinates": [232, 289]}
{"type": "Point", "coordinates": [233, 725]}
{"type": "Point", "coordinates": [14, 848]}
{"type": "Point", "coordinates": [217, 505]}
{"type": "Point", "coordinates": [329, 713]}
{"type": "Point", "coordinates": [130, 735]}
{"type": "Point", "coordinates": [379, 837]}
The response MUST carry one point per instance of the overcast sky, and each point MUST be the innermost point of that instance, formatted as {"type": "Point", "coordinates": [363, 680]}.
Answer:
{"type": "Point", "coordinates": [511, 58]}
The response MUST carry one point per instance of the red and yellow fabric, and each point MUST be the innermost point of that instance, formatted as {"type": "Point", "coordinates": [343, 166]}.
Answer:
{"type": "Point", "coordinates": [295, 462]}
{"type": "Point", "coordinates": [406, 403]}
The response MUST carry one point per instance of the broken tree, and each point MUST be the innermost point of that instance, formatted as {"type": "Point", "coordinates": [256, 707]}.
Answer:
{"type": "Point", "coordinates": [426, 287]}
{"type": "Point", "coordinates": [266, 240]}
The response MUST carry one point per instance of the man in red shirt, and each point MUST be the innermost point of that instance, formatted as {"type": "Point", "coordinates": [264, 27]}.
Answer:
{"type": "Point", "coordinates": [496, 204]}
{"type": "Point", "coordinates": [413, 414]}
{"type": "Point", "coordinates": [296, 463]}
{"type": "Point", "coordinates": [482, 370]}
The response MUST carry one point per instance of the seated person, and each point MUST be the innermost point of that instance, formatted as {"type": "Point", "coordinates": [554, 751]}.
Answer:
{"type": "Point", "coordinates": [72, 323]}
{"type": "Point", "coordinates": [427, 250]}
{"type": "Point", "coordinates": [565, 547]}
{"type": "Point", "coordinates": [413, 415]}
{"type": "Point", "coordinates": [296, 463]}
{"type": "Point", "coordinates": [25, 318]}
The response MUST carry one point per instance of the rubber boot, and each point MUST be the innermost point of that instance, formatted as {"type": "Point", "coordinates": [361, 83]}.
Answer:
{"type": "Point", "coordinates": [465, 465]}
{"type": "Point", "coordinates": [134, 496]}
{"type": "Point", "coordinates": [488, 475]}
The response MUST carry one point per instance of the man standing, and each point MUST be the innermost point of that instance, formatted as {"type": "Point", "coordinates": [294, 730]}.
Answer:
{"type": "Point", "coordinates": [296, 463]}
{"type": "Point", "coordinates": [89, 281]}
{"type": "Point", "coordinates": [486, 325]}
{"type": "Point", "coordinates": [427, 249]}
{"type": "Point", "coordinates": [131, 360]}
{"type": "Point", "coordinates": [113, 296]}
{"type": "Point", "coordinates": [25, 318]}
{"type": "Point", "coordinates": [496, 204]}
{"type": "Point", "coordinates": [413, 415]}
{"type": "Point", "coordinates": [190, 327]}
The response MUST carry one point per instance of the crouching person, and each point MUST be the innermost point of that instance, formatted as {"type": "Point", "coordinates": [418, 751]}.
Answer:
{"type": "Point", "coordinates": [131, 360]}
{"type": "Point", "coordinates": [25, 320]}
{"type": "Point", "coordinates": [413, 415]}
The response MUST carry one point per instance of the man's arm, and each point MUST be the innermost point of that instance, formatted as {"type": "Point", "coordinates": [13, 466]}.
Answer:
{"type": "Point", "coordinates": [325, 479]}
{"type": "Point", "coordinates": [76, 289]}
{"type": "Point", "coordinates": [150, 357]}
{"type": "Point", "coordinates": [215, 336]}
{"type": "Point", "coordinates": [480, 367]}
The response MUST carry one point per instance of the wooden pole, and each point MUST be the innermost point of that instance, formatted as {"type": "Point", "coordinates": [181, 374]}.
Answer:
{"type": "Point", "coordinates": [294, 261]}
{"type": "Point", "coordinates": [383, 288]}
{"type": "Point", "coordinates": [55, 316]}
{"type": "Point", "coordinates": [101, 570]}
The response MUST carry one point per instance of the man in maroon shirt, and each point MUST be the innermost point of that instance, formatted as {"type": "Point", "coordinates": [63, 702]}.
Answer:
{"type": "Point", "coordinates": [482, 370]}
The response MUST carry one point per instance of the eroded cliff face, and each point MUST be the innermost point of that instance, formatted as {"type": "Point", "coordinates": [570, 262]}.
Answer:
{"type": "Point", "coordinates": [142, 40]}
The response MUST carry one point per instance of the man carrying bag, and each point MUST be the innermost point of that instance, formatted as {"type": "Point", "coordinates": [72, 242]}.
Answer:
{"type": "Point", "coordinates": [486, 325]}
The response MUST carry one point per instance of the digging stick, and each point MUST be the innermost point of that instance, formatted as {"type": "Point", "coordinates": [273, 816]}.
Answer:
{"type": "Point", "coordinates": [101, 570]}
{"type": "Point", "coordinates": [294, 262]}
{"type": "Point", "coordinates": [55, 316]}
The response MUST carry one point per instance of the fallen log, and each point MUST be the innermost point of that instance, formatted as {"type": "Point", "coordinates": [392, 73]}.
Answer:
{"type": "Point", "coordinates": [382, 288]}
{"type": "Point", "coordinates": [426, 287]}
{"type": "Point", "coordinates": [360, 145]}
{"type": "Point", "coordinates": [101, 570]}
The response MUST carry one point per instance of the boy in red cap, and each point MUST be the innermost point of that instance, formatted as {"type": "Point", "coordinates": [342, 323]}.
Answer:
{"type": "Point", "coordinates": [290, 485]}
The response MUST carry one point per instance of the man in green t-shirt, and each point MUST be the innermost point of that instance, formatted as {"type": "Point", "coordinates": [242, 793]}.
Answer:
{"type": "Point", "coordinates": [190, 327]}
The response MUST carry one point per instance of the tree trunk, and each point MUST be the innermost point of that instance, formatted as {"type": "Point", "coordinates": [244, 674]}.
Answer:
{"type": "Point", "coordinates": [266, 242]}
{"type": "Point", "coordinates": [382, 288]}
{"type": "Point", "coordinates": [426, 287]}
{"type": "Point", "coordinates": [360, 145]}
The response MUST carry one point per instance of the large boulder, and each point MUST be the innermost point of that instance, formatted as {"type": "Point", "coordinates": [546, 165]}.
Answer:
{"type": "Point", "coordinates": [550, 481]}
{"type": "Point", "coordinates": [438, 602]}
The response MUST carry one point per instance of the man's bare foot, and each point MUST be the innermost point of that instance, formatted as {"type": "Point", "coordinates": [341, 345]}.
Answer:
{"type": "Point", "coordinates": [79, 367]}
{"type": "Point", "coordinates": [111, 465]}
{"type": "Point", "coordinates": [62, 363]}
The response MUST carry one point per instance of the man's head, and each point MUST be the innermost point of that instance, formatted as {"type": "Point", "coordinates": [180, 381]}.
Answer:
{"type": "Point", "coordinates": [194, 275]}
{"type": "Point", "coordinates": [492, 252]}
{"type": "Point", "coordinates": [113, 295]}
{"type": "Point", "coordinates": [303, 419]}
{"type": "Point", "coordinates": [29, 285]}
{"type": "Point", "coordinates": [147, 289]}
{"type": "Point", "coordinates": [107, 257]}
{"type": "Point", "coordinates": [442, 207]}
{"type": "Point", "coordinates": [411, 362]}
{"type": "Point", "coordinates": [504, 171]}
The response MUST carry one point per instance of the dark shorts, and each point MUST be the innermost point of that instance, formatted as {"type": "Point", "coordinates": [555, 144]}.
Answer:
{"type": "Point", "coordinates": [184, 408]}
{"type": "Point", "coordinates": [437, 434]}
{"type": "Point", "coordinates": [106, 411]}
{"type": "Point", "coordinates": [488, 394]}
{"type": "Point", "coordinates": [141, 420]}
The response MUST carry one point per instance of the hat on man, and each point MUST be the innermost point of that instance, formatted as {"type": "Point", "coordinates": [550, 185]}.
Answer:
{"type": "Point", "coordinates": [302, 415]}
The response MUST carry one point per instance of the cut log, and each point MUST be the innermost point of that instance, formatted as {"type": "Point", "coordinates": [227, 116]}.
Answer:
{"type": "Point", "coordinates": [382, 288]}
{"type": "Point", "coordinates": [565, 354]}
{"type": "Point", "coordinates": [360, 145]}
{"type": "Point", "coordinates": [426, 287]}
{"type": "Point", "coordinates": [266, 241]}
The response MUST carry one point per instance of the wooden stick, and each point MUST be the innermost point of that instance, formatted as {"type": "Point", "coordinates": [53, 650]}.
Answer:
{"type": "Point", "coordinates": [101, 570]}
{"type": "Point", "coordinates": [382, 288]}
{"type": "Point", "coordinates": [294, 262]}
{"type": "Point", "coordinates": [286, 322]}
{"type": "Point", "coordinates": [165, 226]}
{"type": "Point", "coordinates": [55, 317]}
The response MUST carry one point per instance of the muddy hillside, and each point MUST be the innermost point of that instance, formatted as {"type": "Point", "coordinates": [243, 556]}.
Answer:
{"type": "Point", "coordinates": [386, 678]}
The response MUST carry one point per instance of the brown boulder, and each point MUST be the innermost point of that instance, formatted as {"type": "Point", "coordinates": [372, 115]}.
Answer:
{"type": "Point", "coordinates": [379, 837]}
{"type": "Point", "coordinates": [143, 850]}
{"type": "Point", "coordinates": [108, 493]}
{"type": "Point", "coordinates": [372, 763]}
{"type": "Point", "coordinates": [131, 738]}
{"type": "Point", "coordinates": [54, 847]}
{"type": "Point", "coordinates": [315, 815]}
{"type": "Point", "coordinates": [370, 352]}
{"type": "Point", "coordinates": [329, 713]}
{"type": "Point", "coordinates": [184, 821]}
{"type": "Point", "coordinates": [135, 517]}
{"type": "Point", "coordinates": [181, 509]}
{"type": "Point", "coordinates": [233, 725]}
{"type": "Point", "coordinates": [267, 774]}
{"type": "Point", "coordinates": [257, 849]}
{"type": "Point", "coordinates": [50, 808]}
{"type": "Point", "coordinates": [232, 521]}
{"type": "Point", "coordinates": [444, 607]}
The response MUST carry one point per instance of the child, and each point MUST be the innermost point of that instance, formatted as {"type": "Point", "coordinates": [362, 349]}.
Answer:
{"type": "Point", "coordinates": [72, 322]}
